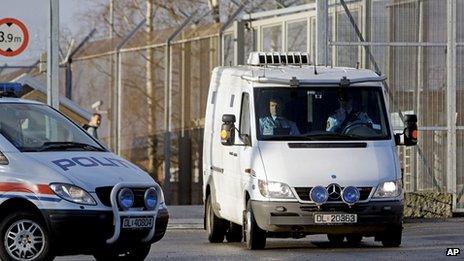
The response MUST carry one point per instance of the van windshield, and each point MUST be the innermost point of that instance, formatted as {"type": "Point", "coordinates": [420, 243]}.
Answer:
{"type": "Point", "coordinates": [36, 127]}
{"type": "Point", "coordinates": [321, 113]}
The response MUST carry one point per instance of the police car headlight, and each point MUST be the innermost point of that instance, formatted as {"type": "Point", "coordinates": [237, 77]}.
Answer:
{"type": "Point", "coordinates": [72, 193]}
{"type": "Point", "coordinates": [389, 189]}
{"type": "Point", "coordinates": [126, 198]}
{"type": "Point", "coordinates": [151, 198]}
{"type": "Point", "coordinates": [272, 189]}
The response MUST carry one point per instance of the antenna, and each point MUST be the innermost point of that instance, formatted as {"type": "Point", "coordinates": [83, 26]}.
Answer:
{"type": "Point", "coordinates": [315, 69]}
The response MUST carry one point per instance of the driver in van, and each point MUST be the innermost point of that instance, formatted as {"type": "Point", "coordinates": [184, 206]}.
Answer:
{"type": "Point", "coordinates": [346, 115]}
{"type": "Point", "coordinates": [275, 124]}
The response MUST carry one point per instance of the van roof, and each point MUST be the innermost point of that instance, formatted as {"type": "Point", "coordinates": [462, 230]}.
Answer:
{"type": "Point", "coordinates": [301, 73]}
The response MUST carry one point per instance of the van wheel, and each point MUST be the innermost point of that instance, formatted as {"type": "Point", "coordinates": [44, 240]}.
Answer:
{"type": "Point", "coordinates": [354, 239]}
{"type": "Point", "coordinates": [234, 233]}
{"type": "Point", "coordinates": [255, 237]}
{"type": "Point", "coordinates": [393, 237]}
{"type": "Point", "coordinates": [336, 239]}
{"type": "Point", "coordinates": [134, 254]}
{"type": "Point", "coordinates": [23, 236]}
{"type": "Point", "coordinates": [215, 226]}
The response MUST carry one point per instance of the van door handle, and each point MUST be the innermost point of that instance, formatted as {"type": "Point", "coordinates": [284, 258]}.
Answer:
{"type": "Point", "coordinates": [232, 154]}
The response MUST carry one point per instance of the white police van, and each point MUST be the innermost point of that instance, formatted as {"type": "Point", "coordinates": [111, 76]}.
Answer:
{"type": "Point", "coordinates": [315, 153]}
{"type": "Point", "coordinates": [62, 192]}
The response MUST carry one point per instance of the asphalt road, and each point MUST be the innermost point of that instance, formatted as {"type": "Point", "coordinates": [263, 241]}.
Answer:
{"type": "Point", "coordinates": [421, 241]}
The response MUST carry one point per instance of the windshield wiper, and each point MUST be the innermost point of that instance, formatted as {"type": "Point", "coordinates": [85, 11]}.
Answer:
{"type": "Point", "coordinates": [51, 146]}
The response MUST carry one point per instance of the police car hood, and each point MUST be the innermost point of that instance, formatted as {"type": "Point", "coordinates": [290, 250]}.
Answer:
{"type": "Point", "coordinates": [90, 170]}
{"type": "Point", "coordinates": [301, 164]}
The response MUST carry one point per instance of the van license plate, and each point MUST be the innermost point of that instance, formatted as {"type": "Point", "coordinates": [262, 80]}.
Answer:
{"type": "Point", "coordinates": [131, 223]}
{"type": "Point", "coordinates": [335, 218]}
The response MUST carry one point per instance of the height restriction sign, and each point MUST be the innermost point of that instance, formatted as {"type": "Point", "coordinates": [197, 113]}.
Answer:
{"type": "Point", "coordinates": [13, 37]}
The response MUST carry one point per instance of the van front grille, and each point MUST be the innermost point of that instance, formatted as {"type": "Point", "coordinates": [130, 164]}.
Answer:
{"type": "Point", "coordinates": [303, 194]}
{"type": "Point", "coordinates": [104, 193]}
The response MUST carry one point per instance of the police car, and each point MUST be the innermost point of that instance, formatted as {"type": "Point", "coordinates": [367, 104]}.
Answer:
{"type": "Point", "coordinates": [62, 192]}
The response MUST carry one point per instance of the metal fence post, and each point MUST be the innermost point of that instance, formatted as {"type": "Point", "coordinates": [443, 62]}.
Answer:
{"type": "Point", "coordinates": [53, 69]}
{"type": "Point", "coordinates": [451, 99]}
{"type": "Point", "coordinates": [322, 22]}
{"type": "Point", "coordinates": [239, 43]}
{"type": "Point", "coordinates": [167, 107]}
{"type": "Point", "coordinates": [118, 94]}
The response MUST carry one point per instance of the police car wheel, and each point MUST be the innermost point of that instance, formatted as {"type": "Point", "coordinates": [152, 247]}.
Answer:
{"type": "Point", "coordinates": [234, 233]}
{"type": "Point", "coordinates": [134, 254]}
{"type": "Point", "coordinates": [336, 239]}
{"type": "Point", "coordinates": [215, 226]}
{"type": "Point", "coordinates": [393, 237]}
{"type": "Point", "coordinates": [24, 237]}
{"type": "Point", "coordinates": [255, 237]}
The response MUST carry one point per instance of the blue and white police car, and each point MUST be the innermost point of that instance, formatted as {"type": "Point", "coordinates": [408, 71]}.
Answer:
{"type": "Point", "coordinates": [62, 192]}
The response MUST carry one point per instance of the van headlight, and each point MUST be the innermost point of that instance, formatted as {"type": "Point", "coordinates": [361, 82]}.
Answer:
{"type": "Point", "coordinates": [72, 193]}
{"type": "Point", "coordinates": [272, 189]}
{"type": "Point", "coordinates": [388, 189]}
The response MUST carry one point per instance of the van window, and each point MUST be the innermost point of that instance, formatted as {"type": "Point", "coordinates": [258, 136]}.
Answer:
{"type": "Point", "coordinates": [232, 98]}
{"type": "Point", "coordinates": [321, 113]}
{"type": "Point", "coordinates": [213, 98]}
{"type": "Point", "coordinates": [245, 127]}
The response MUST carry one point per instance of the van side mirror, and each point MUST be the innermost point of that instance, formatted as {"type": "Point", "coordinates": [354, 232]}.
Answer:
{"type": "Point", "coordinates": [228, 130]}
{"type": "Point", "coordinates": [410, 133]}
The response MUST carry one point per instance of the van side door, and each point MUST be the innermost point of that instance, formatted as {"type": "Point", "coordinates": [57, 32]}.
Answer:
{"type": "Point", "coordinates": [231, 162]}
{"type": "Point", "coordinates": [245, 151]}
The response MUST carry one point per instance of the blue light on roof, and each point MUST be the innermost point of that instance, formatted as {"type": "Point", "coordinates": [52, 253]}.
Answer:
{"type": "Point", "coordinates": [10, 89]}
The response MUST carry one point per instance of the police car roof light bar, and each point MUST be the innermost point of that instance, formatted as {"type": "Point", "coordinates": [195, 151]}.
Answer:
{"type": "Point", "coordinates": [10, 89]}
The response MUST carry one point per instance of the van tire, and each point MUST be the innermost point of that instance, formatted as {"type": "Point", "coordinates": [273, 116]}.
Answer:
{"type": "Point", "coordinates": [8, 224]}
{"type": "Point", "coordinates": [215, 226]}
{"type": "Point", "coordinates": [234, 233]}
{"type": "Point", "coordinates": [255, 237]}
{"type": "Point", "coordinates": [134, 254]}
{"type": "Point", "coordinates": [335, 239]}
{"type": "Point", "coordinates": [393, 237]}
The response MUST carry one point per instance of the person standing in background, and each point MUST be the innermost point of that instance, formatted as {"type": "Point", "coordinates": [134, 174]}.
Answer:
{"type": "Point", "coordinates": [93, 125]}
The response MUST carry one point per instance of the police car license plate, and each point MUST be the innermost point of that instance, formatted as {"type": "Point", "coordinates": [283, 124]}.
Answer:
{"type": "Point", "coordinates": [143, 222]}
{"type": "Point", "coordinates": [335, 218]}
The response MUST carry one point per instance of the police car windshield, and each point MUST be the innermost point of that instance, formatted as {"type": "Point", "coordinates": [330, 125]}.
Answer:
{"type": "Point", "coordinates": [321, 113]}
{"type": "Point", "coordinates": [35, 127]}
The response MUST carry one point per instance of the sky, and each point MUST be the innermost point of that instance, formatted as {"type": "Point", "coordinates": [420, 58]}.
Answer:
{"type": "Point", "coordinates": [34, 14]}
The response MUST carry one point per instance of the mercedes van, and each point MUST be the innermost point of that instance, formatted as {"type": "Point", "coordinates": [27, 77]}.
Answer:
{"type": "Point", "coordinates": [292, 149]}
{"type": "Point", "coordinates": [62, 192]}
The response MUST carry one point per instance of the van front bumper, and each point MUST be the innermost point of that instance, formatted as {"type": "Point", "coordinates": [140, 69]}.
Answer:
{"type": "Point", "coordinates": [84, 231]}
{"type": "Point", "coordinates": [373, 217]}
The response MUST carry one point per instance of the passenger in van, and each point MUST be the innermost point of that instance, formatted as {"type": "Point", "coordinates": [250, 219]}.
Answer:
{"type": "Point", "coordinates": [275, 124]}
{"type": "Point", "coordinates": [346, 115]}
